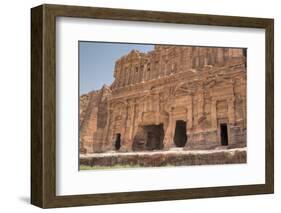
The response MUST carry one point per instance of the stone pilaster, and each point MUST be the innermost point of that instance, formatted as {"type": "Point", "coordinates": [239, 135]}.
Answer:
{"type": "Point", "coordinates": [124, 132]}
{"type": "Point", "coordinates": [157, 108]}
{"type": "Point", "coordinates": [214, 114]}
{"type": "Point", "coordinates": [231, 110]}
{"type": "Point", "coordinates": [132, 113]}
{"type": "Point", "coordinates": [169, 134]}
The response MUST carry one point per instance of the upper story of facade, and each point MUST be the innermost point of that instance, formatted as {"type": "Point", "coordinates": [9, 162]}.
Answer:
{"type": "Point", "coordinates": [166, 60]}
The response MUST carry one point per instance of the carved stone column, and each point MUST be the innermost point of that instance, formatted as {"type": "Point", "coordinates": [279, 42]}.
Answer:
{"type": "Point", "coordinates": [143, 73]}
{"type": "Point", "coordinates": [214, 114]}
{"type": "Point", "coordinates": [106, 141]}
{"type": "Point", "coordinates": [169, 134]}
{"type": "Point", "coordinates": [190, 113]}
{"type": "Point", "coordinates": [124, 133]}
{"type": "Point", "coordinates": [231, 110]}
{"type": "Point", "coordinates": [200, 103]}
{"type": "Point", "coordinates": [132, 125]}
{"type": "Point", "coordinates": [157, 108]}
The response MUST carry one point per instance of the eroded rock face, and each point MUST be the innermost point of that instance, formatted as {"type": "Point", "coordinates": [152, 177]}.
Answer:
{"type": "Point", "coordinates": [201, 89]}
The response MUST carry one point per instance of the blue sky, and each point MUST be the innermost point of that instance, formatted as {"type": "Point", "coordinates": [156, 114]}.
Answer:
{"type": "Point", "coordinates": [97, 60]}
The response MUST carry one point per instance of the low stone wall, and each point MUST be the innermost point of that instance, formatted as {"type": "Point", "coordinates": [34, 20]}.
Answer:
{"type": "Point", "coordinates": [165, 158]}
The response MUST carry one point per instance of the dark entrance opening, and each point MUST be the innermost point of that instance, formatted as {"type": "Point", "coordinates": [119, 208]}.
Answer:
{"type": "Point", "coordinates": [149, 137]}
{"type": "Point", "coordinates": [154, 137]}
{"type": "Point", "coordinates": [118, 141]}
{"type": "Point", "coordinates": [224, 134]}
{"type": "Point", "coordinates": [180, 136]}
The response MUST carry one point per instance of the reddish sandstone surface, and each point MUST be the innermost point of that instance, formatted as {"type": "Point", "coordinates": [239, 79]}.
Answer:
{"type": "Point", "coordinates": [173, 96]}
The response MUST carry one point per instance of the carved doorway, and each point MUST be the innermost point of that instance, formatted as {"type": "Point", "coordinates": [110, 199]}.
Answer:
{"type": "Point", "coordinates": [180, 137]}
{"type": "Point", "coordinates": [224, 134]}
{"type": "Point", "coordinates": [118, 141]}
{"type": "Point", "coordinates": [149, 137]}
{"type": "Point", "coordinates": [154, 137]}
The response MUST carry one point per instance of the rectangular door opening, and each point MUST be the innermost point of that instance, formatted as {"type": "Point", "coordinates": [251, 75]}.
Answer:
{"type": "Point", "coordinates": [118, 141]}
{"type": "Point", "coordinates": [224, 134]}
{"type": "Point", "coordinates": [154, 137]}
{"type": "Point", "coordinates": [149, 137]}
{"type": "Point", "coordinates": [180, 137]}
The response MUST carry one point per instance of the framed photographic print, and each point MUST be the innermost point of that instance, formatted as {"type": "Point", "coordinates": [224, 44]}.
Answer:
{"type": "Point", "coordinates": [137, 106]}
